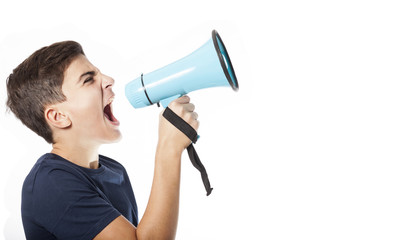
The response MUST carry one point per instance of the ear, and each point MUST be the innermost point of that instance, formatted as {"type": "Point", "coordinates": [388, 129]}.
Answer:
{"type": "Point", "coordinates": [56, 118]}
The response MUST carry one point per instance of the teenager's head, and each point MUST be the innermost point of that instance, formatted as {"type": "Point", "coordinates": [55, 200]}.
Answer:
{"type": "Point", "coordinates": [61, 96]}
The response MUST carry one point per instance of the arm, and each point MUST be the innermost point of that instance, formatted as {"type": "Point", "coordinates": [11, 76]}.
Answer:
{"type": "Point", "coordinates": [161, 215]}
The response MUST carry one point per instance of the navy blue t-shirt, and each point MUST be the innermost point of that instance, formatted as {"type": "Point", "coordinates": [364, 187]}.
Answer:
{"type": "Point", "coordinates": [61, 200]}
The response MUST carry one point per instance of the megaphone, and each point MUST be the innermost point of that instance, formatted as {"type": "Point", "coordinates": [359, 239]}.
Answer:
{"type": "Point", "coordinates": [209, 66]}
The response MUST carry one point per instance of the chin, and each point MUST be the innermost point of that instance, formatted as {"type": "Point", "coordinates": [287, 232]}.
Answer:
{"type": "Point", "coordinates": [118, 138]}
{"type": "Point", "coordinates": [115, 138]}
{"type": "Point", "coordinates": [111, 138]}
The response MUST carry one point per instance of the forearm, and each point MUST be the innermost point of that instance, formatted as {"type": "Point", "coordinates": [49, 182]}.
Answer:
{"type": "Point", "coordinates": [161, 215]}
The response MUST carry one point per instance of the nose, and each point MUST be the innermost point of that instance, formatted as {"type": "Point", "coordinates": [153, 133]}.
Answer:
{"type": "Point", "coordinates": [107, 82]}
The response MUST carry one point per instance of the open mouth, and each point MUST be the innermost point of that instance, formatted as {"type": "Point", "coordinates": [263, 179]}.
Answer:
{"type": "Point", "coordinates": [108, 113]}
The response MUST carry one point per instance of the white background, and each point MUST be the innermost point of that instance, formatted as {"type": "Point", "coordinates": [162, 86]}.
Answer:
{"type": "Point", "coordinates": [302, 151]}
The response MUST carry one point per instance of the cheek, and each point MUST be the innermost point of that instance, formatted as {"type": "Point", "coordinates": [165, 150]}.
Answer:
{"type": "Point", "coordinates": [87, 110]}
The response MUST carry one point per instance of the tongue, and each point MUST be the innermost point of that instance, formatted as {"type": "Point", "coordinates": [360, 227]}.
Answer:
{"type": "Point", "coordinates": [108, 113]}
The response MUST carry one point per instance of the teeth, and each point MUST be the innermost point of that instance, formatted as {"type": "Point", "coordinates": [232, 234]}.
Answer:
{"type": "Point", "coordinates": [110, 100]}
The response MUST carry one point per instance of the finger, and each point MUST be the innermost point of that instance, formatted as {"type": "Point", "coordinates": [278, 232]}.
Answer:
{"type": "Point", "coordinates": [195, 125]}
{"type": "Point", "coordinates": [189, 107]}
{"type": "Point", "coordinates": [195, 115]}
{"type": "Point", "coordinates": [192, 119]}
{"type": "Point", "coordinates": [183, 99]}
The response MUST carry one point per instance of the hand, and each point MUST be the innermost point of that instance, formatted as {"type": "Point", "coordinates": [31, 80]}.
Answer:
{"type": "Point", "coordinates": [169, 135]}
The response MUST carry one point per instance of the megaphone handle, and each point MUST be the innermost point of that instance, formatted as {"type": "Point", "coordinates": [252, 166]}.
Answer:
{"type": "Point", "coordinates": [190, 132]}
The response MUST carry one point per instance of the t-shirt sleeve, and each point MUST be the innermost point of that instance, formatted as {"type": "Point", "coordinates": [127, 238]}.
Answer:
{"type": "Point", "coordinates": [69, 206]}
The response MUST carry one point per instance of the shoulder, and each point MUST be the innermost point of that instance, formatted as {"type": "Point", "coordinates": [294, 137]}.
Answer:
{"type": "Point", "coordinates": [50, 167]}
{"type": "Point", "coordinates": [52, 186]}
{"type": "Point", "coordinates": [60, 197]}
{"type": "Point", "coordinates": [55, 176]}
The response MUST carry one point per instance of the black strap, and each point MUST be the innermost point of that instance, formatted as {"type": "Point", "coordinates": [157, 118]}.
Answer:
{"type": "Point", "coordinates": [190, 132]}
{"type": "Point", "coordinates": [198, 165]}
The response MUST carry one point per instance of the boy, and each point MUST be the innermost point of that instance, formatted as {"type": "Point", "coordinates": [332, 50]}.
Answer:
{"type": "Point", "coordinates": [73, 192]}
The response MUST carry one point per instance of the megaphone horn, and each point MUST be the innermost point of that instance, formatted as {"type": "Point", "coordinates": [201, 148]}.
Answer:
{"type": "Point", "coordinates": [208, 66]}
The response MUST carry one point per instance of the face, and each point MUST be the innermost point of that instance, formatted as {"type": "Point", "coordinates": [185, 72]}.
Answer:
{"type": "Point", "coordinates": [89, 103]}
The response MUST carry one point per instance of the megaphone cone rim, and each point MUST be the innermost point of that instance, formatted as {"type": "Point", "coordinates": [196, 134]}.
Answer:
{"type": "Point", "coordinates": [233, 82]}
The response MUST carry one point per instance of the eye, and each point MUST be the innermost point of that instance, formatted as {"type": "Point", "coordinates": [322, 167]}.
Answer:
{"type": "Point", "coordinates": [89, 79]}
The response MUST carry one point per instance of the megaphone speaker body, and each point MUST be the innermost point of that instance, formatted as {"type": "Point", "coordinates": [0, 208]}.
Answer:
{"type": "Point", "coordinates": [209, 66]}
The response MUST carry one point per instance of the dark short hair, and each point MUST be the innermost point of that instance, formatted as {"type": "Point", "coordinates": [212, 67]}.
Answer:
{"type": "Point", "coordinates": [37, 82]}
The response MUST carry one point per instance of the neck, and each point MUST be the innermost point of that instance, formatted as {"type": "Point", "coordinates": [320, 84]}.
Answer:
{"type": "Point", "coordinates": [80, 155]}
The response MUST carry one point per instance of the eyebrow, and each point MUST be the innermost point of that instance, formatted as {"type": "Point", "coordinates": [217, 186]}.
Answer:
{"type": "Point", "coordinates": [92, 73]}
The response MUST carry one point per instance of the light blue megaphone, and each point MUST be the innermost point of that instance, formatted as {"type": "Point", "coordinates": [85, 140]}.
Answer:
{"type": "Point", "coordinates": [208, 66]}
